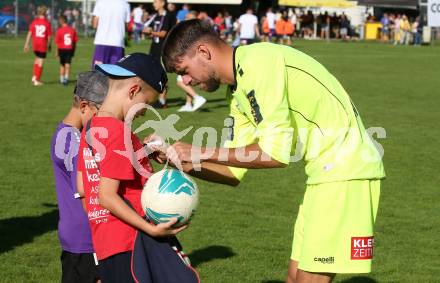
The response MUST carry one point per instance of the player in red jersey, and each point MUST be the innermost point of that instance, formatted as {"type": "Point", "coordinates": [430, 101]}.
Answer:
{"type": "Point", "coordinates": [65, 39]}
{"type": "Point", "coordinates": [40, 31]}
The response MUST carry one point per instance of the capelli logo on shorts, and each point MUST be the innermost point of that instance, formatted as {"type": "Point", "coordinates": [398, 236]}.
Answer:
{"type": "Point", "coordinates": [362, 247]}
{"type": "Point", "coordinates": [325, 260]}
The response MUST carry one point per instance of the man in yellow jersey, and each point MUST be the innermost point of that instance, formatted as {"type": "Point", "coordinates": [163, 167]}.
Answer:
{"type": "Point", "coordinates": [283, 102]}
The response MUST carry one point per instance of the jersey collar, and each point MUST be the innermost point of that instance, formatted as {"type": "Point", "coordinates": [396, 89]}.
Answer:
{"type": "Point", "coordinates": [234, 86]}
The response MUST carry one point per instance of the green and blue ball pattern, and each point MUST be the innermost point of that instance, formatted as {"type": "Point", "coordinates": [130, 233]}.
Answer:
{"type": "Point", "coordinates": [168, 194]}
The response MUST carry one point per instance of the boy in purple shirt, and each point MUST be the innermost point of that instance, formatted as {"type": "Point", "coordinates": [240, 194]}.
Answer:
{"type": "Point", "coordinates": [77, 259]}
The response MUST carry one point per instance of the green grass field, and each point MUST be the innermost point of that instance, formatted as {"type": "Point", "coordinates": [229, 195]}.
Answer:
{"type": "Point", "coordinates": [241, 234]}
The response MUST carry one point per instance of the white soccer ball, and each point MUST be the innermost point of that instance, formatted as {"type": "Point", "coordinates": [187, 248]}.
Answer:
{"type": "Point", "coordinates": [168, 194]}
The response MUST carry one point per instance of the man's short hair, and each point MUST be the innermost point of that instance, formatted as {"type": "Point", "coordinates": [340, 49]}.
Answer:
{"type": "Point", "coordinates": [182, 37]}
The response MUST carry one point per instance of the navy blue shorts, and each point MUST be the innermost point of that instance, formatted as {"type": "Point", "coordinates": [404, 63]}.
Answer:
{"type": "Point", "coordinates": [116, 268]}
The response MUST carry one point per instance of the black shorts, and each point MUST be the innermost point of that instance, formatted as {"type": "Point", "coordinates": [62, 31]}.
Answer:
{"type": "Point", "coordinates": [65, 56]}
{"type": "Point", "coordinates": [78, 268]}
{"type": "Point", "coordinates": [39, 54]}
{"type": "Point", "coordinates": [156, 50]}
{"type": "Point", "coordinates": [116, 268]}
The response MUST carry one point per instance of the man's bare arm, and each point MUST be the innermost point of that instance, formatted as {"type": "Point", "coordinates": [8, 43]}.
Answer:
{"type": "Point", "coordinates": [211, 172]}
{"type": "Point", "coordinates": [95, 21]}
{"type": "Point", "coordinates": [250, 156]}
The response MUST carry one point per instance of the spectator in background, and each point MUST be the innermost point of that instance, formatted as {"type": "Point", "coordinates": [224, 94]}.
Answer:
{"type": "Point", "coordinates": [345, 27]}
{"type": "Point", "coordinates": [138, 12]}
{"type": "Point", "coordinates": [229, 28]}
{"type": "Point", "coordinates": [129, 31]}
{"type": "Point", "coordinates": [397, 30]}
{"type": "Point", "coordinates": [192, 15]}
{"type": "Point", "coordinates": [405, 29]}
{"type": "Point", "coordinates": [318, 23]}
{"type": "Point", "coordinates": [49, 15]}
{"type": "Point", "coordinates": [294, 19]}
{"type": "Point", "coordinates": [391, 20]}
{"type": "Point", "coordinates": [335, 25]}
{"type": "Point", "coordinates": [417, 32]}
{"type": "Point", "coordinates": [282, 29]}
{"type": "Point", "coordinates": [385, 30]}
{"type": "Point", "coordinates": [68, 14]}
{"type": "Point", "coordinates": [303, 22]}
{"type": "Point", "coordinates": [371, 18]}
{"type": "Point", "coordinates": [203, 15]}
{"type": "Point", "coordinates": [30, 9]}
{"type": "Point", "coordinates": [76, 20]}
{"type": "Point", "coordinates": [172, 14]}
{"type": "Point", "coordinates": [110, 19]}
{"type": "Point", "coordinates": [325, 26]}
{"type": "Point", "coordinates": [145, 18]}
{"type": "Point", "coordinates": [285, 29]}
{"type": "Point", "coordinates": [307, 21]}
{"type": "Point", "coordinates": [265, 28]}
{"type": "Point", "coordinates": [278, 15]}
{"type": "Point", "coordinates": [157, 28]}
{"type": "Point", "coordinates": [271, 21]}
{"type": "Point", "coordinates": [219, 23]}
{"type": "Point", "coordinates": [248, 27]}
{"type": "Point", "coordinates": [236, 40]}
{"type": "Point", "coordinates": [289, 31]}
{"type": "Point", "coordinates": [181, 14]}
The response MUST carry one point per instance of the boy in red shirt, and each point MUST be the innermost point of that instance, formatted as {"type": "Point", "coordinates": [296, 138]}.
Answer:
{"type": "Point", "coordinates": [65, 39]}
{"type": "Point", "coordinates": [107, 174]}
{"type": "Point", "coordinates": [40, 31]}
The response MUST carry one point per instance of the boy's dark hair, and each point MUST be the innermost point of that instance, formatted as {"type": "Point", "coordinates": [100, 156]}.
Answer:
{"type": "Point", "coordinates": [62, 18]}
{"type": "Point", "coordinates": [182, 37]}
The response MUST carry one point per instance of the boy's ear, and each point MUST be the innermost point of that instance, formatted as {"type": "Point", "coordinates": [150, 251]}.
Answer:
{"type": "Point", "coordinates": [82, 106]}
{"type": "Point", "coordinates": [204, 51]}
{"type": "Point", "coordinates": [133, 90]}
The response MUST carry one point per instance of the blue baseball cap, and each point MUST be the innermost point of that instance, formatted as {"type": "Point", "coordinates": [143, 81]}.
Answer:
{"type": "Point", "coordinates": [141, 65]}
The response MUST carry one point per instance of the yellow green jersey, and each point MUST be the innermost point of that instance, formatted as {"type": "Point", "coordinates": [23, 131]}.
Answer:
{"type": "Point", "coordinates": [292, 106]}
